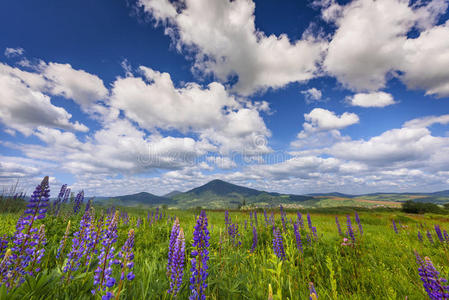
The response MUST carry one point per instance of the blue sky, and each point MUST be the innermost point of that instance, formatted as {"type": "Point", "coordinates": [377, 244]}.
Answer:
{"type": "Point", "coordinates": [116, 97]}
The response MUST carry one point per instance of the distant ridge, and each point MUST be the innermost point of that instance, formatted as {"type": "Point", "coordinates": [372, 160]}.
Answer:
{"type": "Point", "coordinates": [172, 193]}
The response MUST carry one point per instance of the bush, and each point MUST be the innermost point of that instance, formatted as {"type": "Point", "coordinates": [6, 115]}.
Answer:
{"type": "Point", "coordinates": [420, 207]}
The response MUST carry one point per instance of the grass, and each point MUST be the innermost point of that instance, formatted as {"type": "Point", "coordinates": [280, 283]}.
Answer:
{"type": "Point", "coordinates": [381, 265]}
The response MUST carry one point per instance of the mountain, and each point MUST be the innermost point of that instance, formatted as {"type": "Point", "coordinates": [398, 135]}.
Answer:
{"type": "Point", "coordinates": [219, 194]}
{"type": "Point", "coordinates": [139, 199]}
{"type": "Point", "coordinates": [172, 193]}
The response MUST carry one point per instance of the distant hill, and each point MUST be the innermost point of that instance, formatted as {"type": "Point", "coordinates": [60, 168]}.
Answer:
{"type": "Point", "coordinates": [221, 194]}
{"type": "Point", "coordinates": [172, 193]}
{"type": "Point", "coordinates": [139, 199]}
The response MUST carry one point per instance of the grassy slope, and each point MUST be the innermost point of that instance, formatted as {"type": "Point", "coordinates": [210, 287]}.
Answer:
{"type": "Point", "coordinates": [382, 266]}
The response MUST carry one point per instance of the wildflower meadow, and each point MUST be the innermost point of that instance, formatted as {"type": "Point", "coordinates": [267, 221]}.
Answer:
{"type": "Point", "coordinates": [70, 248]}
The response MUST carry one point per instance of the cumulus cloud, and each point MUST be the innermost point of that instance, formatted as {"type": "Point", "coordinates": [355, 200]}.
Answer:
{"type": "Point", "coordinates": [375, 99]}
{"type": "Point", "coordinates": [320, 119]}
{"type": "Point", "coordinates": [362, 56]}
{"type": "Point", "coordinates": [261, 61]}
{"type": "Point", "coordinates": [312, 94]}
{"type": "Point", "coordinates": [211, 112]}
{"type": "Point", "coordinates": [13, 52]}
{"type": "Point", "coordinates": [23, 109]}
{"type": "Point", "coordinates": [222, 162]}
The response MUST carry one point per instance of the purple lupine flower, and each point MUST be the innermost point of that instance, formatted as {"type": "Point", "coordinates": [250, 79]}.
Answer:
{"type": "Point", "coordinates": [227, 220]}
{"type": "Point", "coordinates": [171, 245]}
{"type": "Point", "coordinates": [234, 235]}
{"type": "Point", "coordinates": [175, 269]}
{"type": "Point", "coordinates": [255, 217]}
{"type": "Point", "coordinates": [200, 256]}
{"type": "Point", "coordinates": [88, 205]}
{"type": "Point", "coordinates": [419, 236]}
{"type": "Point", "coordinates": [338, 225]}
{"type": "Point", "coordinates": [349, 227]}
{"type": "Point", "coordinates": [446, 236]}
{"type": "Point", "coordinates": [298, 237]}
{"type": "Point", "coordinates": [265, 216]}
{"type": "Point", "coordinates": [4, 241]}
{"type": "Point", "coordinates": [309, 221]}
{"type": "Point", "coordinates": [66, 195]}
{"type": "Point", "coordinates": [282, 217]}
{"type": "Point", "coordinates": [57, 203]}
{"type": "Point", "coordinates": [395, 228]}
{"type": "Point", "coordinates": [429, 236]}
{"type": "Point", "coordinates": [357, 219]}
{"type": "Point", "coordinates": [103, 273]}
{"type": "Point", "coordinates": [300, 221]}
{"type": "Point", "coordinates": [272, 221]}
{"type": "Point", "coordinates": [79, 246]}
{"type": "Point", "coordinates": [433, 284]}
{"type": "Point", "coordinates": [126, 256]}
{"type": "Point", "coordinates": [254, 245]}
{"type": "Point", "coordinates": [27, 241]}
{"type": "Point", "coordinates": [78, 201]}
{"type": "Point", "coordinates": [312, 291]}
{"type": "Point", "coordinates": [439, 233]}
{"type": "Point", "coordinates": [63, 241]}
{"type": "Point", "coordinates": [250, 218]}
{"type": "Point", "coordinates": [278, 244]}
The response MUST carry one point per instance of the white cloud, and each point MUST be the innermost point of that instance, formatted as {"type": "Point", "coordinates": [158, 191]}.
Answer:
{"type": "Point", "coordinates": [312, 94]}
{"type": "Point", "coordinates": [24, 109]}
{"type": "Point", "coordinates": [214, 37]}
{"type": "Point", "coordinates": [375, 99]}
{"type": "Point", "coordinates": [320, 119]}
{"type": "Point", "coordinates": [222, 162]}
{"type": "Point", "coordinates": [362, 56]}
{"type": "Point", "coordinates": [210, 112]}
{"type": "Point", "coordinates": [84, 88]}
{"type": "Point", "coordinates": [12, 52]}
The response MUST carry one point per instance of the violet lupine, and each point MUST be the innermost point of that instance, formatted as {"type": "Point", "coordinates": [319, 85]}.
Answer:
{"type": "Point", "coordinates": [63, 241]}
{"type": "Point", "coordinates": [94, 238]}
{"type": "Point", "coordinates": [349, 228]}
{"type": "Point", "coordinates": [254, 245]}
{"type": "Point", "coordinates": [126, 256]}
{"type": "Point", "coordinates": [429, 236]}
{"type": "Point", "coordinates": [175, 269]}
{"type": "Point", "coordinates": [265, 216]}
{"type": "Point", "coordinates": [250, 218]}
{"type": "Point", "coordinates": [103, 278]}
{"type": "Point", "coordinates": [439, 233]}
{"type": "Point", "coordinates": [200, 257]}
{"type": "Point", "coordinates": [27, 240]}
{"type": "Point", "coordinates": [66, 195]}
{"type": "Point", "coordinates": [57, 203]}
{"type": "Point", "coordinates": [282, 217]}
{"type": "Point", "coordinates": [4, 241]}
{"type": "Point", "coordinates": [338, 225]}
{"type": "Point", "coordinates": [419, 236]}
{"type": "Point", "coordinates": [395, 228]}
{"type": "Point", "coordinates": [234, 235]}
{"type": "Point", "coordinates": [357, 219]}
{"type": "Point", "coordinates": [79, 246]}
{"type": "Point", "coordinates": [78, 201]}
{"type": "Point", "coordinates": [309, 221]}
{"type": "Point", "coordinates": [446, 236]}
{"type": "Point", "coordinates": [255, 217]}
{"type": "Point", "coordinates": [227, 220]}
{"type": "Point", "coordinates": [433, 284]}
{"type": "Point", "coordinates": [278, 244]}
{"type": "Point", "coordinates": [300, 221]}
{"type": "Point", "coordinates": [298, 237]}
{"type": "Point", "coordinates": [171, 244]}
{"type": "Point", "coordinates": [313, 294]}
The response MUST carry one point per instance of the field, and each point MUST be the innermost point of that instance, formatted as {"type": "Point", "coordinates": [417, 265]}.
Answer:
{"type": "Point", "coordinates": [378, 262]}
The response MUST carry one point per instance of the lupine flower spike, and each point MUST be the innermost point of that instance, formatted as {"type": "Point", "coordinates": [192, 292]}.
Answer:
{"type": "Point", "coordinates": [313, 293]}
{"type": "Point", "coordinates": [126, 256]}
{"type": "Point", "coordinates": [278, 244]}
{"type": "Point", "coordinates": [177, 259]}
{"type": "Point", "coordinates": [433, 284]}
{"type": "Point", "coordinates": [200, 256]}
